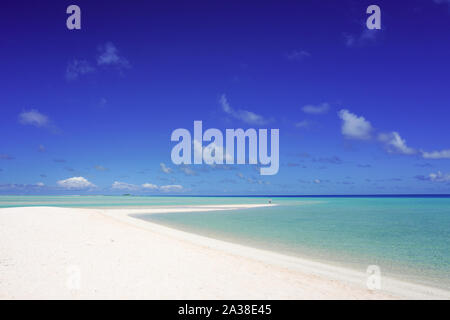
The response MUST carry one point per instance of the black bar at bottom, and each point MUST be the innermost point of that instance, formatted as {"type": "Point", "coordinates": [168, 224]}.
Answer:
{"type": "Point", "coordinates": [226, 309]}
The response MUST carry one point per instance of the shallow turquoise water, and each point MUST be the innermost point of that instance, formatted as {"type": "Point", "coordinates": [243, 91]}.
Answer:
{"type": "Point", "coordinates": [409, 238]}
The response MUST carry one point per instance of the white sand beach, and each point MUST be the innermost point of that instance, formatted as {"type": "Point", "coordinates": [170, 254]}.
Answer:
{"type": "Point", "coordinates": [63, 253]}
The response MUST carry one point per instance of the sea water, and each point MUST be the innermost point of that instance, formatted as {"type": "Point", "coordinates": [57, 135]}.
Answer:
{"type": "Point", "coordinates": [407, 237]}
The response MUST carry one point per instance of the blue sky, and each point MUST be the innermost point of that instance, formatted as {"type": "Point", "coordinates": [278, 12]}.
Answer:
{"type": "Point", "coordinates": [91, 111]}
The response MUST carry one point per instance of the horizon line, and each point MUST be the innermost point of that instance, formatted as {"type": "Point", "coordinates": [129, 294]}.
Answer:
{"type": "Point", "coordinates": [249, 195]}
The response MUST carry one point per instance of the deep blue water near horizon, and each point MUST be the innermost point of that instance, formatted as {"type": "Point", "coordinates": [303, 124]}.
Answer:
{"type": "Point", "coordinates": [112, 201]}
{"type": "Point", "coordinates": [407, 236]}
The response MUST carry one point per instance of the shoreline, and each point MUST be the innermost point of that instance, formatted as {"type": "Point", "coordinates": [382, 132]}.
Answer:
{"type": "Point", "coordinates": [396, 287]}
{"type": "Point", "coordinates": [186, 265]}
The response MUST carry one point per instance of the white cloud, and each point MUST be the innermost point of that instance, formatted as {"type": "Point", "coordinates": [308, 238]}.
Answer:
{"type": "Point", "coordinates": [171, 188]}
{"type": "Point", "coordinates": [150, 186]}
{"type": "Point", "coordinates": [395, 143]}
{"type": "Point", "coordinates": [225, 105]}
{"type": "Point", "coordinates": [317, 181]}
{"type": "Point", "coordinates": [242, 115]}
{"type": "Point", "coordinates": [355, 127]}
{"type": "Point", "coordinates": [117, 185]}
{"type": "Point", "coordinates": [40, 184]}
{"type": "Point", "coordinates": [109, 56]}
{"type": "Point", "coordinates": [188, 171]}
{"type": "Point", "coordinates": [34, 118]}
{"type": "Point", "coordinates": [316, 109]}
{"type": "Point", "coordinates": [439, 177]}
{"type": "Point", "coordinates": [78, 68]}
{"type": "Point", "coordinates": [165, 169]}
{"type": "Point", "coordinates": [75, 183]}
{"type": "Point", "coordinates": [443, 154]}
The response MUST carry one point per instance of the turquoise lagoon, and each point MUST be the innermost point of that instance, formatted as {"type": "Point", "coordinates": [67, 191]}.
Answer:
{"type": "Point", "coordinates": [408, 237]}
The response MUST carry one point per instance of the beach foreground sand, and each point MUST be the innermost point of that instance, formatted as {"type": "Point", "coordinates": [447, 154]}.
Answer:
{"type": "Point", "coordinates": [64, 253]}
